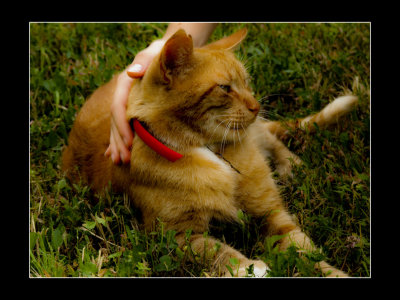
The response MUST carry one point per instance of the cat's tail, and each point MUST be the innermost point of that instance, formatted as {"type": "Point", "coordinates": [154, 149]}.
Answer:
{"type": "Point", "coordinates": [327, 116]}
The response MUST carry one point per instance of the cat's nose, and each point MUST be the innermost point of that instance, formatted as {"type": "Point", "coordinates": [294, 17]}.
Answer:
{"type": "Point", "coordinates": [253, 105]}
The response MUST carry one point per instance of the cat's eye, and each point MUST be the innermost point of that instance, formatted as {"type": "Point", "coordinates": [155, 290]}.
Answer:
{"type": "Point", "coordinates": [226, 88]}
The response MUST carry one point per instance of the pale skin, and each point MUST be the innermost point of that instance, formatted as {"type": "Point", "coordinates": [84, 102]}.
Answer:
{"type": "Point", "coordinates": [121, 135]}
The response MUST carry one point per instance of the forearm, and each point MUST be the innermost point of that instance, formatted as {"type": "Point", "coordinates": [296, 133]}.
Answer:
{"type": "Point", "coordinates": [200, 32]}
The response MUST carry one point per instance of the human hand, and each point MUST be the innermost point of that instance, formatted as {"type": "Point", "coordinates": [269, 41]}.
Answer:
{"type": "Point", "coordinates": [121, 135]}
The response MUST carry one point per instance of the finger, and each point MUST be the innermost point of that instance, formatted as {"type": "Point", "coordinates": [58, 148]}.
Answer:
{"type": "Point", "coordinates": [121, 126]}
{"type": "Point", "coordinates": [118, 111]}
{"type": "Point", "coordinates": [122, 150]}
{"type": "Point", "coordinates": [140, 64]}
{"type": "Point", "coordinates": [114, 151]}
{"type": "Point", "coordinates": [126, 158]}
{"type": "Point", "coordinates": [136, 70]}
{"type": "Point", "coordinates": [108, 151]}
{"type": "Point", "coordinates": [143, 59]}
{"type": "Point", "coordinates": [122, 89]}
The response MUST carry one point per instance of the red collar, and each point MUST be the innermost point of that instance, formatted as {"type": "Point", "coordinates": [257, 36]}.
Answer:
{"type": "Point", "coordinates": [154, 144]}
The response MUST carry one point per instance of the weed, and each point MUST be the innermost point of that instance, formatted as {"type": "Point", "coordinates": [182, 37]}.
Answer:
{"type": "Point", "coordinates": [296, 70]}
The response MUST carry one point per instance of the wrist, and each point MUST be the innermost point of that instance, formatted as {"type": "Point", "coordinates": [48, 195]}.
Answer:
{"type": "Point", "coordinates": [158, 43]}
{"type": "Point", "coordinates": [155, 47]}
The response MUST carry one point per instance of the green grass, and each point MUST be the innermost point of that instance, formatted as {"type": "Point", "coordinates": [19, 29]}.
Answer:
{"type": "Point", "coordinates": [296, 70]}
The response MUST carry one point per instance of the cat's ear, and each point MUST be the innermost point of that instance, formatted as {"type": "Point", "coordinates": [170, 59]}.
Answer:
{"type": "Point", "coordinates": [230, 42]}
{"type": "Point", "coordinates": [176, 54]}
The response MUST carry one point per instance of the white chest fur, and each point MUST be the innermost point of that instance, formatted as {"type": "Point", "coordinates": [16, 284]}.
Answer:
{"type": "Point", "coordinates": [207, 154]}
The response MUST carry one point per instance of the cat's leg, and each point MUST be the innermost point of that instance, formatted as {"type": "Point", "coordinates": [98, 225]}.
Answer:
{"type": "Point", "coordinates": [275, 150]}
{"type": "Point", "coordinates": [218, 255]}
{"type": "Point", "coordinates": [215, 253]}
{"type": "Point", "coordinates": [329, 115]}
{"type": "Point", "coordinates": [282, 157]}
{"type": "Point", "coordinates": [280, 222]}
{"type": "Point", "coordinates": [269, 204]}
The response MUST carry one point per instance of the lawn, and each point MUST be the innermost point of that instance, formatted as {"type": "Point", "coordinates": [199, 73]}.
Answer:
{"type": "Point", "coordinates": [296, 70]}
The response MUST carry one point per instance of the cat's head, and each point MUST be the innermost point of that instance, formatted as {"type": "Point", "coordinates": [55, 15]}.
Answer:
{"type": "Point", "coordinates": [196, 93]}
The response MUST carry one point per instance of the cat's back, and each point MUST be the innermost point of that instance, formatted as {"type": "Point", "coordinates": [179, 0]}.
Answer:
{"type": "Point", "coordinates": [97, 108]}
{"type": "Point", "coordinates": [89, 139]}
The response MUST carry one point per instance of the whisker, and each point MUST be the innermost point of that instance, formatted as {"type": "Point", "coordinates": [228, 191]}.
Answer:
{"type": "Point", "coordinates": [234, 134]}
{"type": "Point", "coordinates": [226, 134]}
{"type": "Point", "coordinates": [227, 115]}
{"type": "Point", "coordinates": [273, 95]}
{"type": "Point", "coordinates": [235, 131]}
{"type": "Point", "coordinates": [240, 141]}
{"type": "Point", "coordinates": [261, 118]}
{"type": "Point", "coordinates": [263, 110]}
{"type": "Point", "coordinates": [267, 113]}
{"type": "Point", "coordinates": [263, 98]}
{"type": "Point", "coordinates": [244, 129]}
{"type": "Point", "coordinates": [222, 148]}
{"type": "Point", "coordinates": [216, 129]}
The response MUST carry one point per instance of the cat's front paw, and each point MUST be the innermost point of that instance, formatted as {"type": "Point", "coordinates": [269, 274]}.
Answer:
{"type": "Point", "coordinates": [336, 273]}
{"type": "Point", "coordinates": [284, 169]}
{"type": "Point", "coordinates": [259, 269]}
{"type": "Point", "coordinates": [330, 271]}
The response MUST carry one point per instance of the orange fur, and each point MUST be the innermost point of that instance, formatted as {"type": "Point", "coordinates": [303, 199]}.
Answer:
{"type": "Point", "coordinates": [328, 116]}
{"type": "Point", "coordinates": [199, 103]}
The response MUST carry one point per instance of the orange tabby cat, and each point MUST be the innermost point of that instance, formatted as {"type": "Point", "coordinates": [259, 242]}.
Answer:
{"type": "Point", "coordinates": [198, 103]}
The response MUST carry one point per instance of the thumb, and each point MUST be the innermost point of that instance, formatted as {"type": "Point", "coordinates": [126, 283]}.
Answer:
{"type": "Point", "coordinates": [143, 59]}
{"type": "Point", "coordinates": [137, 69]}
{"type": "Point", "coordinates": [140, 63]}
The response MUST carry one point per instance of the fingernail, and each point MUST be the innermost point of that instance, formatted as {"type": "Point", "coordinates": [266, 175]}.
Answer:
{"type": "Point", "coordinates": [135, 68]}
{"type": "Point", "coordinates": [112, 157]}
